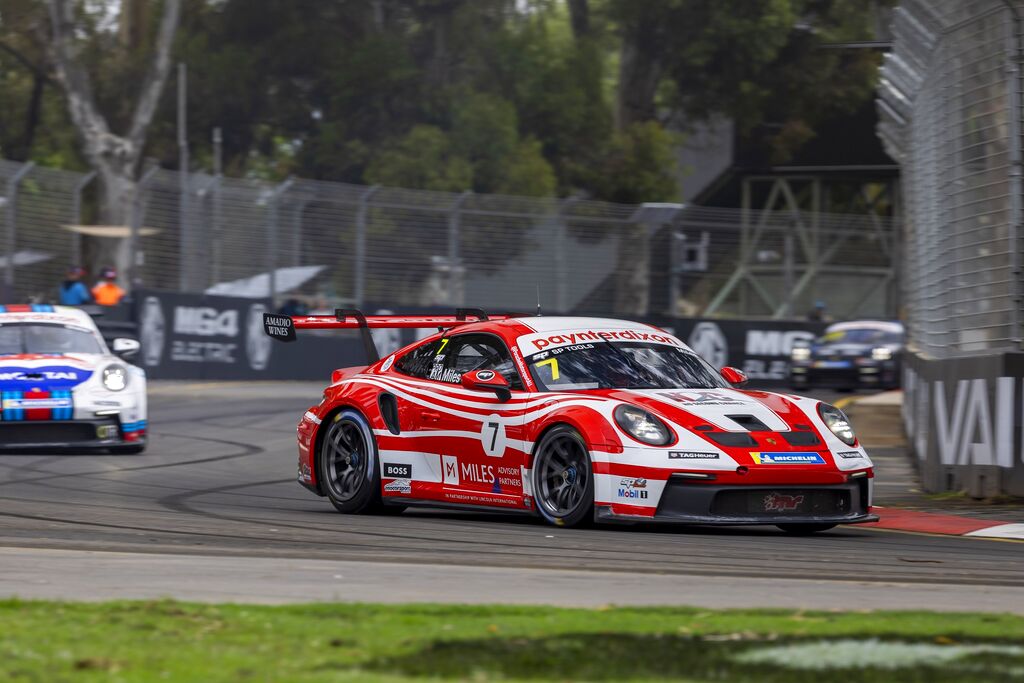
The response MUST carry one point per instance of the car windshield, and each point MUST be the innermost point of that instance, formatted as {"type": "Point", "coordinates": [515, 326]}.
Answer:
{"type": "Point", "coordinates": [621, 365]}
{"type": "Point", "coordinates": [861, 335]}
{"type": "Point", "coordinates": [46, 339]}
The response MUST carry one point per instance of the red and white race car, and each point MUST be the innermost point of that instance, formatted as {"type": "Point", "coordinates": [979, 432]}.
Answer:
{"type": "Point", "coordinates": [573, 419]}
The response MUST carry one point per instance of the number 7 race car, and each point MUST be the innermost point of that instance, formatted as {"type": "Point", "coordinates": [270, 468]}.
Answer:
{"type": "Point", "coordinates": [572, 419]}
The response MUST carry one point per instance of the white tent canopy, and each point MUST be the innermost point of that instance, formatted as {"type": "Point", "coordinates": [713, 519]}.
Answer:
{"type": "Point", "coordinates": [258, 286]}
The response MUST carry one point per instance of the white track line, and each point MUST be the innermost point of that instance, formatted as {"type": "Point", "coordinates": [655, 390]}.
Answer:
{"type": "Point", "coordinates": [1000, 531]}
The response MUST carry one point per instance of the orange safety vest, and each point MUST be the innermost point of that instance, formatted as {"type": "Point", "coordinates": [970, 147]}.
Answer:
{"type": "Point", "coordinates": [107, 294]}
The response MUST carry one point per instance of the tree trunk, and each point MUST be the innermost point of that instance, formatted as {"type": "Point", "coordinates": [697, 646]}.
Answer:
{"type": "Point", "coordinates": [114, 157]}
{"type": "Point", "coordinates": [32, 115]}
{"type": "Point", "coordinates": [579, 18]}
{"type": "Point", "coordinates": [117, 200]}
{"type": "Point", "coordinates": [639, 74]}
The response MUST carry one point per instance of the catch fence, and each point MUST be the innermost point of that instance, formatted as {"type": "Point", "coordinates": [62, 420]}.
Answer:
{"type": "Point", "coordinates": [950, 106]}
{"type": "Point", "coordinates": [327, 244]}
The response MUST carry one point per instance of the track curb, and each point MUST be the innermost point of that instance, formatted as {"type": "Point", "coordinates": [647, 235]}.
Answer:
{"type": "Point", "coordinates": [916, 521]}
{"type": "Point", "coordinates": [898, 519]}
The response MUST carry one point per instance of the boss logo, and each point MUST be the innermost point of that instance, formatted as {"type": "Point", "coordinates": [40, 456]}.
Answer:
{"type": "Point", "coordinates": [397, 471]}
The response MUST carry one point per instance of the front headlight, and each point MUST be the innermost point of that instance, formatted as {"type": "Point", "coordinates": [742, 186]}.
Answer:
{"type": "Point", "coordinates": [800, 353]}
{"type": "Point", "coordinates": [838, 423]}
{"type": "Point", "coordinates": [642, 426]}
{"type": "Point", "coordinates": [115, 377]}
{"type": "Point", "coordinates": [881, 353]}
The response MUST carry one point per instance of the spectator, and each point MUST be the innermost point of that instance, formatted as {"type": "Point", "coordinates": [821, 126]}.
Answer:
{"type": "Point", "coordinates": [818, 313]}
{"type": "Point", "coordinates": [106, 292]}
{"type": "Point", "coordinates": [73, 291]}
{"type": "Point", "coordinates": [293, 307]}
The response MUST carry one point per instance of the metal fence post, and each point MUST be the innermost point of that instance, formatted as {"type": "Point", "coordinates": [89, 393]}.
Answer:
{"type": "Point", "coordinates": [676, 249]}
{"type": "Point", "coordinates": [561, 274]}
{"type": "Point", "coordinates": [11, 194]}
{"type": "Point", "coordinates": [1014, 57]}
{"type": "Point", "coordinates": [76, 215]}
{"type": "Point", "coordinates": [133, 234]}
{"type": "Point", "coordinates": [359, 271]}
{"type": "Point", "coordinates": [218, 175]}
{"type": "Point", "coordinates": [272, 237]}
{"type": "Point", "coordinates": [456, 288]}
{"type": "Point", "coordinates": [216, 235]}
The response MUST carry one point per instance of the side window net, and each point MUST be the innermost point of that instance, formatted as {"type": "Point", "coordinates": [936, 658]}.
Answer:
{"type": "Point", "coordinates": [418, 362]}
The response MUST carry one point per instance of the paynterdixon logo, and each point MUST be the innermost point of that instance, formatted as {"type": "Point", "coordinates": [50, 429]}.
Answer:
{"type": "Point", "coordinates": [787, 458]}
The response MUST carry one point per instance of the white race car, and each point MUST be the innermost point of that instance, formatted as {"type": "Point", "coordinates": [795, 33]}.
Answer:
{"type": "Point", "coordinates": [62, 388]}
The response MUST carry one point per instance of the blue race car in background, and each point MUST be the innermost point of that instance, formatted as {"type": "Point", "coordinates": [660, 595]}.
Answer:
{"type": "Point", "coordinates": [851, 355]}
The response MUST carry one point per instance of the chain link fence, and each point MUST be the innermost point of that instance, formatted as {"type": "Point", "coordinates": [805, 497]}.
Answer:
{"type": "Point", "coordinates": [327, 244]}
{"type": "Point", "coordinates": [950, 114]}
{"type": "Point", "coordinates": [34, 203]}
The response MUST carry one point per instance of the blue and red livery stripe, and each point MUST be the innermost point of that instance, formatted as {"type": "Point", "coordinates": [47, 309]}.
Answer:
{"type": "Point", "coordinates": [133, 426]}
{"type": "Point", "coordinates": [28, 308]}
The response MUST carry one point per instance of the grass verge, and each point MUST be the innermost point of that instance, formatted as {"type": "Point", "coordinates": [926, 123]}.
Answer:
{"type": "Point", "coordinates": [172, 641]}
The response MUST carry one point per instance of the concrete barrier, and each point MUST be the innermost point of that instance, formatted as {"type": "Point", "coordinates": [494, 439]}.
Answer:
{"type": "Point", "coordinates": [963, 418]}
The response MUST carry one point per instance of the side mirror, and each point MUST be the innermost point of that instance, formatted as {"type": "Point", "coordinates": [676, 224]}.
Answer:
{"type": "Point", "coordinates": [733, 376]}
{"type": "Point", "coordinates": [126, 348]}
{"type": "Point", "coordinates": [487, 380]}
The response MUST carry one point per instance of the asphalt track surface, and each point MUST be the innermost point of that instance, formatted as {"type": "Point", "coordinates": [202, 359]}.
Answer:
{"type": "Point", "coordinates": [216, 489]}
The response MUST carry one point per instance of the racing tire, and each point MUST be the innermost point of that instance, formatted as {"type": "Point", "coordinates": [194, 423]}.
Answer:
{"type": "Point", "coordinates": [347, 464]}
{"type": "Point", "coordinates": [563, 479]}
{"type": "Point", "coordinates": [804, 529]}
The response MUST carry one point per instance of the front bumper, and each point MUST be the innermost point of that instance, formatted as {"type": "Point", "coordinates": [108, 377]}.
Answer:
{"type": "Point", "coordinates": [882, 375]}
{"type": "Point", "coordinates": [99, 433]}
{"type": "Point", "coordinates": [684, 501]}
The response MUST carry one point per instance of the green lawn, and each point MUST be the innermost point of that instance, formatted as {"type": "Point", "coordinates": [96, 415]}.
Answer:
{"type": "Point", "coordinates": [172, 641]}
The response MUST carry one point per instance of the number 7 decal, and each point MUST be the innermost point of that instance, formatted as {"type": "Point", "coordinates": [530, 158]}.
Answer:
{"type": "Point", "coordinates": [553, 363]}
{"type": "Point", "coordinates": [492, 437]}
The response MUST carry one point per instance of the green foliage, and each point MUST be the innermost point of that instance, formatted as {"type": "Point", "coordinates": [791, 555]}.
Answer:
{"type": "Point", "coordinates": [423, 159]}
{"type": "Point", "coordinates": [173, 641]}
{"type": "Point", "coordinates": [527, 172]}
{"type": "Point", "coordinates": [640, 165]}
{"type": "Point", "coordinates": [488, 95]}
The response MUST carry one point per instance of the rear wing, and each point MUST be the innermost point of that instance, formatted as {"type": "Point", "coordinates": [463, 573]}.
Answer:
{"type": "Point", "coordinates": [282, 327]}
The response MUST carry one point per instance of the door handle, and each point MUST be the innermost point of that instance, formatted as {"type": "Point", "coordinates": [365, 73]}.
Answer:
{"type": "Point", "coordinates": [431, 416]}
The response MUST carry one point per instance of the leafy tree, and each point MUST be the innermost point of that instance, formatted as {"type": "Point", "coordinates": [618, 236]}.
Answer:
{"type": "Point", "coordinates": [93, 106]}
{"type": "Point", "coordinates": [423, 159]}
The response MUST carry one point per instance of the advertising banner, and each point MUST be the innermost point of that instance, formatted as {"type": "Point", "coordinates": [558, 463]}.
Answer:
{"type": "Point", "coordinates": [194, 336]}
{"type": "Point", "coordinates": [964, 422]}
{"type": "Point", "coordinates": [760, 348]}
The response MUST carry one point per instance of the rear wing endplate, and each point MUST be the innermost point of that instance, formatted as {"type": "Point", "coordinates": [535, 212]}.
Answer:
{"type": "Point", "coordinates": [282, 327]}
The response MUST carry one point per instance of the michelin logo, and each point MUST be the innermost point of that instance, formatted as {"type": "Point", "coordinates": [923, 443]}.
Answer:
{"type": "Point", "coordinates": [787, 459]}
